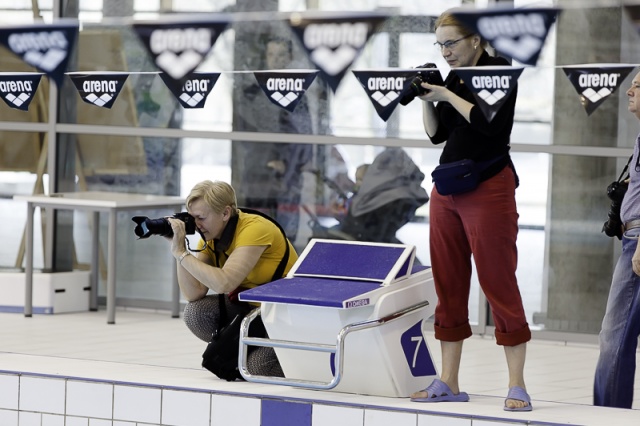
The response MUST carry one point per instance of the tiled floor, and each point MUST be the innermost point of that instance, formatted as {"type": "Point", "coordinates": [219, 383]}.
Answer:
{"type": "Point", "coordinates": [140, 341]}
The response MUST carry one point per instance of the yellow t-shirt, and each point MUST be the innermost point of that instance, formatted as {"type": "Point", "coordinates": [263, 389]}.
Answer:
{"type": "Point", "coordinates": [255, 230]}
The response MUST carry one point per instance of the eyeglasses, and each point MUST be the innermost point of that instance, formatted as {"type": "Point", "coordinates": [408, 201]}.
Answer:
{"type": "Point", "coordinates": [450, 44]}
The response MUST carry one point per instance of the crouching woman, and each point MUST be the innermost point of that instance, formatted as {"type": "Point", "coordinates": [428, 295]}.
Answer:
{"type": "Point", "coordinates": [239, 250]}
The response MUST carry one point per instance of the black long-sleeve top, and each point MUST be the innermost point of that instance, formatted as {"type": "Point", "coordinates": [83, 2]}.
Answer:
{"type": "Point", "coordinates": [479, 139]}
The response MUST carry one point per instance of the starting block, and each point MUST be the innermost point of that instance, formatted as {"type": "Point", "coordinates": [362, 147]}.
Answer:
{"type": "Point", "coordinates": [348, 317]}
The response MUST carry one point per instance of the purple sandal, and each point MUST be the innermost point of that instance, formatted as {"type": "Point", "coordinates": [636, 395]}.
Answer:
{"type": "Point", "coordinates": [519, 394]}
{"type": "Point", "coordinates": [439, 391]}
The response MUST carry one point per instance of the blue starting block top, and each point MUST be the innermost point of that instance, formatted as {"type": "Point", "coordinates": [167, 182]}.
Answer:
{"type": "Point", "coordinates": [354, 260]}
{"type": "Point", "coordinates": [339, 274]}
{"type": "Point", "coordinates": [313, 291]}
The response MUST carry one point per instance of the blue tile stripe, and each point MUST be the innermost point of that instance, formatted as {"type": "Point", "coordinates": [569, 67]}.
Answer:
{"type": "Point", "coordinates": [20, 309]}
{"type": "Point", "coordinates": [285, 413]}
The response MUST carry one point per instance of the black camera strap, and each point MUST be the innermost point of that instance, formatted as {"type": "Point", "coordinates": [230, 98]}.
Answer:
{"type": "Point", "coordinates": [625, 170]}
{"type": "Point", "coordinates": [203, 239]}
{"type": "Point", "coordinates": [279, 272]}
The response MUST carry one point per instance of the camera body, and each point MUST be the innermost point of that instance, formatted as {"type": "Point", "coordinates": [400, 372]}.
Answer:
{"type": "Point", "coordinates": [415, 87]}
{"type": "Point", "coordinates": [147, 227]}
{"type": "Point", "coordinates": [613, 226]}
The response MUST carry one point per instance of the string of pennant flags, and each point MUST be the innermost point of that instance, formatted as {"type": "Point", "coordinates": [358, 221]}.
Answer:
{"type": "Point", "coordinates": [332, 41]}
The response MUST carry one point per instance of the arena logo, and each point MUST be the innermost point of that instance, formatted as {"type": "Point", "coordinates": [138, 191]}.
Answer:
{"type": "Point", "coordinates": [44, 50]}
{"type": "Point", "coordinates": [492, 27]}
{"type": "Point", "coordinates": [334, 46]}
{"type": "Point", "coordinates": [180, 50]}
{"type": "Point", "coordinates": [598, 86]}
{"type": "Point", "coordinates": [278, 86]}
{"type": "Point", "coordinates": [529, 29]}
{"type": "Point", "coordinates": [100, 92]}
{"type": "Point", "coordinates": [194, 91]}
{"type": "Point", "coordinates": [334, 41]}
{"type": "Point", "coordinates": [595, 83]}
{"type": "Point", "coordinates": [491, 82]}
{"type": "Point", "coordinates": [599, 80]}
{"type": "Point", "coordinates": [515, 32]}
{"type": "Point", "coordinates": [490, 85]}
{"type": "Point", "coordinates": [286, 84]}
{"type": "Point", "coordinates": [17, 93]}
{"type": "Point", "coordinates": [386, 83]}
{"type": "Point", "coordinates": [491, 88]}
{"type": "Point", "coordinates": [285, 88]}
{"type": "Point", "coordinates": [385, 90]}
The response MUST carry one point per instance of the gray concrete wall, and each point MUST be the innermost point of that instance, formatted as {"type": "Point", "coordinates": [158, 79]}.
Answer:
{"type": "Point", "coordinates": [580, 256]}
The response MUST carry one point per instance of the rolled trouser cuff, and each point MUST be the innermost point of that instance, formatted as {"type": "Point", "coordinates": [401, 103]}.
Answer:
{"type": "Point", "coordinates": [513, 338]}
{"type": "Point", "coordinates": [453, 334]}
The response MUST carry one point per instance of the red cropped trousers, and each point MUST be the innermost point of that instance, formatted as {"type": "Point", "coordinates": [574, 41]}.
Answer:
{"type": "Point", "coordinates": [482, 223]}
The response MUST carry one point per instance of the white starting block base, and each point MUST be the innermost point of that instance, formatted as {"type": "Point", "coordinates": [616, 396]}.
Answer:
{"type": "Point", "coordinates": [53, 293]}
{"type": "Point", "coordinates": [376, 360]}
{"type": "Point", "coordinates": [387, 357]}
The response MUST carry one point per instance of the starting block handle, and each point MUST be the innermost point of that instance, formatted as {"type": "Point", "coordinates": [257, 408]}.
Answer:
{"type": "Point", "coordinates": [337, 349]}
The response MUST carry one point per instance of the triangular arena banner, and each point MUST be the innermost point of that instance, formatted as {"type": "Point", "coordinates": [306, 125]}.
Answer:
{"type": "Point", "coordinates": [99, 88]}
{"type": "Point", "coordinates": [490, 85]}
{"type": "Point", "coordinates": [285, 88]}
{"type": "Point", "coordinates": [17, 89]}
{"type": "Point", "coordinates": [46, 47]}
{"type": "Point", "coordinates": [178, 47]}
{"type": "Point", "coordinates": [193, 92]}
{"type": "Point", "coordinates": [517, 33]}
{"type": "Point", "coordinates": [334, 41]}
{"type": "Point", "coordinates": [596, 82]}
{"type": "Point", "coordinates": [385, 88]}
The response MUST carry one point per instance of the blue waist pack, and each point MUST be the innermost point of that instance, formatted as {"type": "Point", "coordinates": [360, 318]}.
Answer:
{"type": "Point", "coordinates": [456, 178]}
{"type": "Point", "coordinates": [459, 176]}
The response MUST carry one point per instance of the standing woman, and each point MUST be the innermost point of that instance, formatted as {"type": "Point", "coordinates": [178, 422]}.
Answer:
{"type": "Point", "coordinates": [482, 223]}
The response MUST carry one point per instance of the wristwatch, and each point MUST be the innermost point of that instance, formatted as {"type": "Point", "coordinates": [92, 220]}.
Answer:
{"type": "Point", "coordinates": [183, 255]}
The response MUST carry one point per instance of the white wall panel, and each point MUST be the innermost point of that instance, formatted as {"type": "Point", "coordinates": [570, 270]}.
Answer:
{"type": "Point", "coordinates": [86, 399]}
{"type": "Point", "coordinates": [225, 409]}
{"type": "Point", "coordinates": [185, 408]}
{"type": "Point", "coordinates": [9, 385]}
{"type": "Point", "coordinates": [136, 404]}
{"type": "Point", "coordinates": [42, 395]}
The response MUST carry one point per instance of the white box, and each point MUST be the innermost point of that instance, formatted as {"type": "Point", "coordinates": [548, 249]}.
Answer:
{"type": "Point", "coordinates": [53, 293]}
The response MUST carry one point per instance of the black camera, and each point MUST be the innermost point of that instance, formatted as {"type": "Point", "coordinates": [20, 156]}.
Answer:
{"type": "Point", "coordinates": [147, 227]}
{"type": "Point", "coordinates": [613, 226]}
{"type": "Point", "coordinates": [416, 89]}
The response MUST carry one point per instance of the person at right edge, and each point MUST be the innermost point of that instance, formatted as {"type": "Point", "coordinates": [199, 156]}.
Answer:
{"type": "Point", "coordinates": [482, 223]}
{"type": "Point", "coordinates": [616, 367]}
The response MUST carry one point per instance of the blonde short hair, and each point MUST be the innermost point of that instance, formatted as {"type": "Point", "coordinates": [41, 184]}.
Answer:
{"type": "Point", "coordinates": [217, 195]}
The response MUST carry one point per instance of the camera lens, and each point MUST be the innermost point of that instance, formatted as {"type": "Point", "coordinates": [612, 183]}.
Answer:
{"type": "Point", "coordinates": [147, 227]}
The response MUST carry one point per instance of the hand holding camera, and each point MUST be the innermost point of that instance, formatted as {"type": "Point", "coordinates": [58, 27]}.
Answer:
{"type": "Point", "coordinates": [423, 76]}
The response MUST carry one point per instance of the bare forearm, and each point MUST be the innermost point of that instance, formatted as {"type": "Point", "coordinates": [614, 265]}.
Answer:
{"type": "Point", "coordinates": [196, 277]}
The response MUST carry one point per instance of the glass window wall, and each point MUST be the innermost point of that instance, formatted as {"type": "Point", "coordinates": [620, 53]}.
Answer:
{"type": "Point", "coordinates": [303, 167]}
